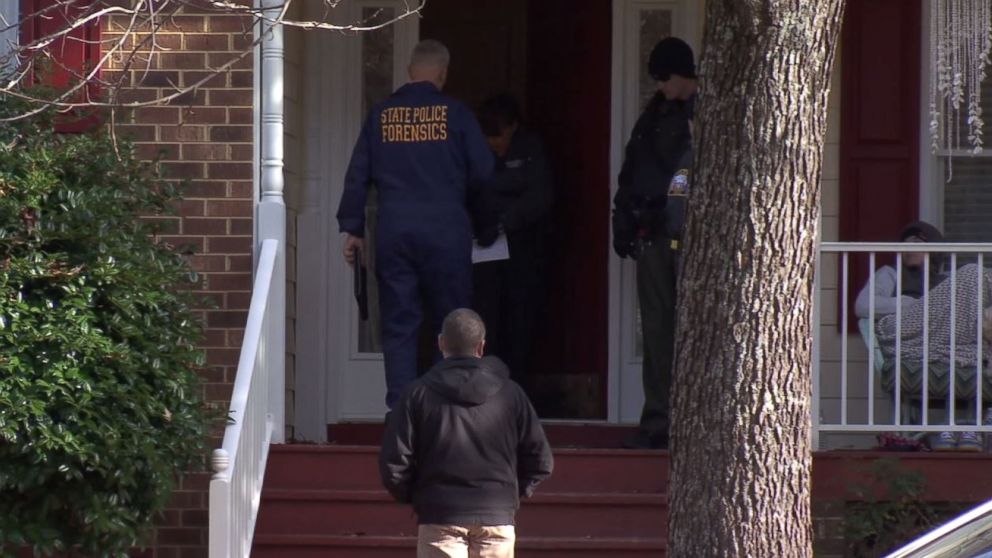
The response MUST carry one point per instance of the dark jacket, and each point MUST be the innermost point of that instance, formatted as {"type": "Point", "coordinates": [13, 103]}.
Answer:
{"type": "Point", "coordinates": [424, 151]}
{"type": "Point", "coordinates": [464, 444]}
{"type": "Point", "coordinates": [522, 184]}
{"type": "Point", "coordinates": [658, 151]}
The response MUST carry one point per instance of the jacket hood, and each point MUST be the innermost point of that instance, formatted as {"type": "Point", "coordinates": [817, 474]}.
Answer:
{"type": "Point", "coordinates": [922, 229]}
{"type": "Point", "coordinates": [467, 380]}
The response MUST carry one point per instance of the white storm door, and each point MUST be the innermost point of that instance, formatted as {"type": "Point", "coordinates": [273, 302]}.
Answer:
{"type": "Point", "coordinates": [637, 26]}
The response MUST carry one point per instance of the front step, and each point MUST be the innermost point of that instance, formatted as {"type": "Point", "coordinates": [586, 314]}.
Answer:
{"type": "Point", "coordinates": [327, 546]}
{"type": "Point", "coordinates": [328, 501]}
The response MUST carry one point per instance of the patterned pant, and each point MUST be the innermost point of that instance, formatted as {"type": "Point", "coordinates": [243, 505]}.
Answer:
{"type": "Point", "coordinates": [452, 541]}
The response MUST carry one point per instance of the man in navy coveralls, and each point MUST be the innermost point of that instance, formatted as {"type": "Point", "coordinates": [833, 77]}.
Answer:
{"type": "Point", "coordinates": [423, 151]}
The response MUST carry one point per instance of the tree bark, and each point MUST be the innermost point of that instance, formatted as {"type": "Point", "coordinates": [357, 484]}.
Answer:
{"type": "Point", "coordinates": [741, 453]}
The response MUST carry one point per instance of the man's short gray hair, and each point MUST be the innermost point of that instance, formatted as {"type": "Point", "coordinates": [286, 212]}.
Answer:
{"type": "Point", "coordinates": [430, 53]}
{"type": "Point", "coordinates": [463, 330]}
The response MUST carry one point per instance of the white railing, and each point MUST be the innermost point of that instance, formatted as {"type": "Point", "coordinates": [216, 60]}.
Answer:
{"type": "Point", "coordinates": [866, 368]}
{"type": "Point", "coordinates": [239, 465]}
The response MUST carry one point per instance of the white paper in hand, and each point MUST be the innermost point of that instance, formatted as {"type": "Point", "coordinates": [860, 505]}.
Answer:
{"type": "Point", "coordinates": [499, 250]}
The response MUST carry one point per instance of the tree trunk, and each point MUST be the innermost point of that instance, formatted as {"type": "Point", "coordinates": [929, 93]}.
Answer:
{"type": "Point", "coordinates": [741, 454]}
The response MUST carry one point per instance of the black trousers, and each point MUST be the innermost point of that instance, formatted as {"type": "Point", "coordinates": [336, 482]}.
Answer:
{"type": "Point", "coordinates": [509, 295]}
{"type": "Point", "coordinates": [656, 283]}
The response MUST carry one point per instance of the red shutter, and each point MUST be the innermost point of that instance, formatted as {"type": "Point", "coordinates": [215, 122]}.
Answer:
{"type": "Point", "coordinates": [73, 55]}
{"type": "Point", "coordinates": [880, 124]}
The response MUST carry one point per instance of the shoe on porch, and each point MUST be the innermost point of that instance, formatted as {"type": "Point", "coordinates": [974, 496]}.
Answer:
{"type": "Point", "coordinates": [945, 441]}
{"type": "Point", "coordinates": [969, 441]}
{"type": "Point", "coordinates": [645, 440]}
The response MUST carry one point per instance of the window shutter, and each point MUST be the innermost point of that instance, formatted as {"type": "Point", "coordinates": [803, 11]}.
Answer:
{"type": "Point", "coordinates": [880, 125]}
{"type": "Point", "coordinates": [72, 56]}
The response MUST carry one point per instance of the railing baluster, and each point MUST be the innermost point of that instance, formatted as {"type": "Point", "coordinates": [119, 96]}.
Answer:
{"type": "Point", "coordinates": [898, 365]}
{"type": "Point", "coordinates": [925, 401]}
{"type": "Point", "coordinates": [951, 376]}
{"type": "Point", "coordinates": [871, 338]}
{"type": "Point", "coordinates": [979, 339]}
{"type": "Point", "coordinates": [843, 339]}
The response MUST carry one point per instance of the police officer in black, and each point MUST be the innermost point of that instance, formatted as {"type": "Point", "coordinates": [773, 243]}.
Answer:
{"type": "Point", "coordinates": [647, 222]}
{"type": "Point", "coordinates": [424, 152]}
{"type": "Point", "coordinates": [509, 294]}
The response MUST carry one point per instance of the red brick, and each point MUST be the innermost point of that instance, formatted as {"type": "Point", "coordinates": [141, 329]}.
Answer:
{"type": "Point", "coordinates": [229, 24]}
{"type": "Point", "coordinates": [229, 244]}
{"type": "Point", "coordinates": [230, 282]}
{"type": "Point", "coordinates": [191, 208]}
{"type": "Point", "coordinates": [231, 97]}
{"type": "Point", "coordinates": [163, 151]}
{"type": "Point", "coordinates": [238, 61]}
{"type": "Point", "coordinates": [238, 301]}
{"type": "Point", "coordinates": [243, 190]}
{"type": "Point", "coordinates": [183, 243]}
{"type": "Point", "coordinates": [241, 226]}
{"type": "Point", "coordinates": [240, 116]}
{"type": "Point", "coordinates": [157, 115]}
{"type": "Point", "coordinates": [231, 133]}
{"type": "Point", "coordinates": [230, 171]}
{"type": "Point", "coordinates": [205, 189]}
{"type": "Point", "coordinates": [183, 132]}
{"type": "Point", "coordinates": [241, 41]}
{"type": "Point", "coordinates": [235, 337]}
{"type": "Point", "coordinates": [227, 357]}
{"type": "Point", "coordinates": [180, 60]}
{"type": "Point", "coordinates": [208, 42]}
{"type": "Point", "coordinates": [184, 24]}
{"type": "Point", "coordinates": [203, 115]}
{"type": "Point", "coordinates": [241, 78]}
{"type": "Point", "coordinates": [239, 263]}
{"type": "Point", "coordinates": [163, 225]}
{"type": "Point", "coordinates": [135, 132]}
{"type": "Point", "coordinates": [196, 97]}
{"type": "Point", "coordinates": [204, 226]}
{"type": "Point", "coordinates": [179, 536]}
{"type": "Point", "coordinates": [204, 263]}
{"type": "Point", "coordinates": [205, 152]}
{"type": "Point", "coordinates": [183, 500]}
{"type": "Point", "coordinates": [157, 79]}
{"type": "Point", "coordinates": [182, 170]}
{"type": "Point", "coordinates": [132, 95]}
{"type": "Point", "coordinates": [162, 40]}
{"type": "Point", "coordinates": [195, 481]}
{"type": "Point", "coordinates": [204, 79]}
{"type": "Point", "coordinates": [242, 152]}
{"type": "Point", "coordinates": [214, 338]}
{"type": "Point", "coordinates": [169, 518]}
{"type": "Point", "coordinates": [228, 208]}
{"type": "Point", "coordinates": [213, 392]}
{"type": "Point", "coordinates": [226, 318]}
{"type": "Point", "coordinates": [214, 374]}
{"type": "Point", "coordinates": [193, 552]}
{"type": "Point", "coordinates": [167, 552]}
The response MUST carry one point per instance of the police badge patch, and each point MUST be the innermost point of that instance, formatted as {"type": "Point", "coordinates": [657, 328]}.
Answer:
{"type": "Point", "coordinates": [679, 186]}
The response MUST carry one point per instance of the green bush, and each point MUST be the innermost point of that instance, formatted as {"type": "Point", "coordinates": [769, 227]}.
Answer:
{"type": "Point", "coordinates": [99, 398]}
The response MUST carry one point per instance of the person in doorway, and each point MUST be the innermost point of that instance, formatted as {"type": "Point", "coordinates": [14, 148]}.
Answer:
{"type": "Point", "coordinates": [425, 154]}
{"type": "Point", "coordinates": [647, 222]}
{"type": "Point", "coordinates": [508, 293]}
{"type": "Point", "coordinates": [463, 446]}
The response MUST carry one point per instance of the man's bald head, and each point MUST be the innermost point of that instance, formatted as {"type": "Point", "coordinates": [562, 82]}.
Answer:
{"type": "Point", "coordinates": [429, 62]}
{"type": "Point", "coordinates": [462, 334]}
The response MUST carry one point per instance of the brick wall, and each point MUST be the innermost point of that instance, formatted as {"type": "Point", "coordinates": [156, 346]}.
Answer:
{"type": "Point", "coordinates": [206, 138]}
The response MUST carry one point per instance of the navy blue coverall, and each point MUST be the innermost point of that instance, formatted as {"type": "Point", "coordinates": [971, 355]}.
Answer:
{"type": "Point", "coordinates": [422, 150]}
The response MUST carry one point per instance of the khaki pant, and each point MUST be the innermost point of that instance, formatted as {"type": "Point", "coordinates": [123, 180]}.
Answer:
{"type": "Point", "coordinates": [452, 541]}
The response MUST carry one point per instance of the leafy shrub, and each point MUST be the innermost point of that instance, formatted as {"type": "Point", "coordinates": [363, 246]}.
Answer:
{"type": "Point", "coordinates": [99, 397]}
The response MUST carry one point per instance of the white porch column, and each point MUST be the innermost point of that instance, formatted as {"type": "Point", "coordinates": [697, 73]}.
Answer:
{"type": "Point", "coordinates": [271, 216]}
